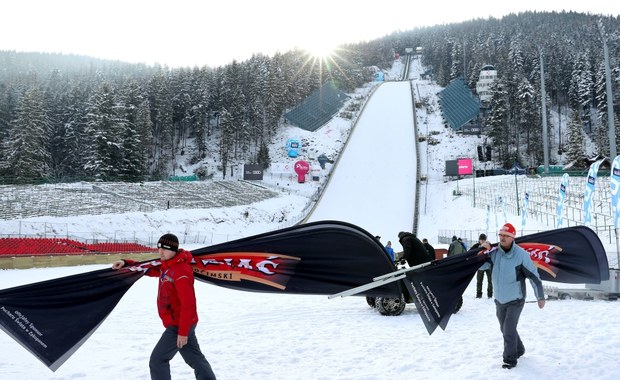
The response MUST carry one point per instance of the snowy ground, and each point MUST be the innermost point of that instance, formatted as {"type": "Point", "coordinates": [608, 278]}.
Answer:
{"type": "Point", "coordinates": [265, 336]}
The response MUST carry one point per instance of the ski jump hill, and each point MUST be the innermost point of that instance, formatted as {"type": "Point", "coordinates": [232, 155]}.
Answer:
{"type": "Point", "coordinates": [373, 183]}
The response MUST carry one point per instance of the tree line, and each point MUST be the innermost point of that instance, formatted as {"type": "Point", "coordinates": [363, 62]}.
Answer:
{"type": "Point", "coordinates": [64, 117]}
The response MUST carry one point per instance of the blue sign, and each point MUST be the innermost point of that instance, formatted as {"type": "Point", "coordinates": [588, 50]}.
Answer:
{"type": "Point", "coordinates": [293, 146]}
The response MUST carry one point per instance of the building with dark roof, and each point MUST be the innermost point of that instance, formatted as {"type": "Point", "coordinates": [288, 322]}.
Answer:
{"type": "Point", "coordinates": [318, 108]}
{"type": "Point", "coordinates": [459, 107]}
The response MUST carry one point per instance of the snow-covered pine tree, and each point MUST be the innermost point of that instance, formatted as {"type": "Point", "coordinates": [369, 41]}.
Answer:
{"type": "Point", "coordinates": [26, 157]}
{"type": "Point", "coordinates": [575, 151]}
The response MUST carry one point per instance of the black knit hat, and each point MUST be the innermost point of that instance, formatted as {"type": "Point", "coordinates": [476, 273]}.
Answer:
{"type": "Point", "coordinates": [168, 241]}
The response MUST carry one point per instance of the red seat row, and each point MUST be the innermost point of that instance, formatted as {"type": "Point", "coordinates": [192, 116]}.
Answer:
{"type": "Point", "coordinates": [47, 246]}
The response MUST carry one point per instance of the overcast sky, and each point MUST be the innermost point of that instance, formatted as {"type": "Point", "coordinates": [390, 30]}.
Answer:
{"type": "Point", "coordinates": [213, 33]}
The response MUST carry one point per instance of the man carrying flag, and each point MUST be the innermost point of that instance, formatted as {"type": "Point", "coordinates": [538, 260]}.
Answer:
{"type": "Point", "coordinates": [176, 304]}
{"type": "Point", "coordinates": [511, 266]}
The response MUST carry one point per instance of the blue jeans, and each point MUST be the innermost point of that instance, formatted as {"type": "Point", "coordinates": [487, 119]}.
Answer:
{"type": "Point", "coordinates": [166, 348]}
{"type": "Point", "coordinates": [508, 316]}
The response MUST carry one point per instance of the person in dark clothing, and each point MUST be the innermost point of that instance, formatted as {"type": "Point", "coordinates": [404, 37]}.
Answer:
{"type": "Point", "coordinates": [455, 247]}
{"type": "Point", "coordinates": [413, 249]}
{"type": "Point", "coordinates": [480, 274]}
{"type": "Point", "coordinates": [429, 249]}
{"type": "Point", "coordinates": [463, 244]}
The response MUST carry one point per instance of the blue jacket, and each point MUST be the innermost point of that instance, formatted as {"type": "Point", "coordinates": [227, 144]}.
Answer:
{"type": "Point", "coordinates": [390, 252]}
{"type": "Point", "coordinates": [510, 269]}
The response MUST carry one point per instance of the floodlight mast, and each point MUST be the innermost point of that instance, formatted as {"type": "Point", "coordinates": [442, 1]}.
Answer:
{"type": "Point", "coordinates": [610, 115]}
{"type": "Point", "coordinates": [543, 100]}
{"type": "Point", "coordinates": [610, 100]}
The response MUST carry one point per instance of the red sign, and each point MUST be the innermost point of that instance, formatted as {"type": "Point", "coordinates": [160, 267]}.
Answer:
{"type": "Point", "coordinates": [466, 166]}
{"type": "Point", "coordinates": [301, 168]}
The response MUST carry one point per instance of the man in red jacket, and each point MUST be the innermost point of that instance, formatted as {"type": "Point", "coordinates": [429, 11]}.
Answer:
{"type": "Point", "coordinates": [176, 304]}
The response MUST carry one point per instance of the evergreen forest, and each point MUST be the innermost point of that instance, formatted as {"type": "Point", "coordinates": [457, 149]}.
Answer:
{"type": "Point", "coordinates": [66, 117]}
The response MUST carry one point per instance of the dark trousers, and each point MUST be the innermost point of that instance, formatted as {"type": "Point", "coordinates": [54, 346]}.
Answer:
{"type": "Point", "coordinates": [165, 350]}
{"type": "Point", "coordinates": [508, 316]}
{"type": "Point", "coordinates": [479, 279]}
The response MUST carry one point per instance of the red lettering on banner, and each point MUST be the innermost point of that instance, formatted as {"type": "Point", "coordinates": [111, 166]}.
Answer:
{"type": "Point", "coordinates": [542, 256]}
{"type": "Point", "coordinates": [266, 268]}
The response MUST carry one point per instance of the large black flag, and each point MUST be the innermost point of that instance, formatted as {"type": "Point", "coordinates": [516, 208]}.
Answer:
{"type": "Point", "coordinates": [571, 255]}
{"type": "Point", "coordinates": [438, 287]}
{"type": "Point", "coordinates": [52, 319]}
{"type": "Point", "coordinates": [568, 255]}
{"type": "Point", "coordinates": [323, 257]}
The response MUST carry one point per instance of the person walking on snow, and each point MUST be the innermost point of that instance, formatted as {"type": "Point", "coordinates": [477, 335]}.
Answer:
{"type": "Point", "coordinates": [176, 304]}
{"type": "Point", "coordinates": [480, 273]}
{"type": "Point", "coordinates": [511, 266]}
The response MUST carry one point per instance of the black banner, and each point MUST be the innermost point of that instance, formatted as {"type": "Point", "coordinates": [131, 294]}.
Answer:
{"type": "Point", "coordinates": [568, 255]}
{"type": "Point", "coordinates": [437, 288]}
{"type": "Point", "coordinates": [571, 255]}
{"type": "Point", "coordinates": [53, 318]}
{"type": "Point", "coordinates": [323, 257]}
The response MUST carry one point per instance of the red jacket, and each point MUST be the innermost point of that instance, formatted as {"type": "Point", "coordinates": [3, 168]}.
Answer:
{"type": "Point", "coordinates": [176, 300]}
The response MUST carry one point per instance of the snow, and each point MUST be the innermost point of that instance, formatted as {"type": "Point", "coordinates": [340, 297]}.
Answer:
{"type": "Point", "coordinates": [266, 336]}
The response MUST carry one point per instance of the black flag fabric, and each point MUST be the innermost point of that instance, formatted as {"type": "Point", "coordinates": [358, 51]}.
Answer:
{"type": "Point", "coordinates": [323, 257]}
{"type": "Point", "coordinates": [571, 255]}
{"type": "Point", "coordinates": [53, 318]}
{"type": "Point", "coordinates": [438, 287]}
{"type": "Point", "coordinates": [567, 255]}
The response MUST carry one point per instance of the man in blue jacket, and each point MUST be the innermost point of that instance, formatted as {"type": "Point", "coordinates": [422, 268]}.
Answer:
{"type": "Point", "coordinates": [511, 266]}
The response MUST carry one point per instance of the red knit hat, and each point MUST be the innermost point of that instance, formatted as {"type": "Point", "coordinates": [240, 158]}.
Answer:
{"type": "Point", "coordinates": [508, 230]}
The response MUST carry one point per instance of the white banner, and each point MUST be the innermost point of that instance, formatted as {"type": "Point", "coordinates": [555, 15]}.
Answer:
{"type": "Point", "coordinates": [561, 197]}
{"type": "Point", "coordinates": [282, 168]}
{"type": "Point", "coordinates": [614, 182]}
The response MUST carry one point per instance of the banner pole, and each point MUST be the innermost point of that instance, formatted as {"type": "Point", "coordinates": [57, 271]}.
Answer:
{"type": "Point", "coordinates": [617, 251]}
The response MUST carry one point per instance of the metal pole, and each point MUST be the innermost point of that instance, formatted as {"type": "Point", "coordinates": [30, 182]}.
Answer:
{"type": "Point", "coordinates": [543, 100]}
{"type": "Point", "coordinates": [617, 250]}
{"type": "Point", "coordinates": [474, 181]}
{"type": "Point", "coordinates": [610, 100]}
{"type": "Point", "coordinates": [517, 190]}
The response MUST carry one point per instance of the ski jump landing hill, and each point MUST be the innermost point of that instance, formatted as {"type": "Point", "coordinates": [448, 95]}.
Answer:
{"type": "Point", "coordinates": [373, 184]}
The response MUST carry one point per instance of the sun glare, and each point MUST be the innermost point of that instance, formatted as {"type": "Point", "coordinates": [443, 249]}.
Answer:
{"type": "Point", "coordinates": [321, 50]}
